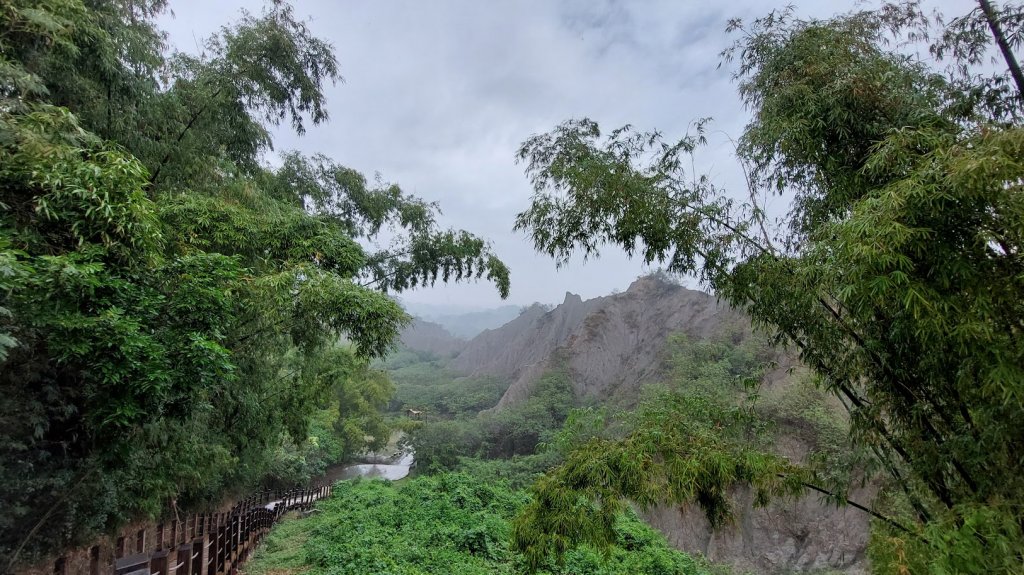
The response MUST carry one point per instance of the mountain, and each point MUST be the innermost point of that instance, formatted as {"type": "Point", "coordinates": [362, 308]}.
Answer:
{"type": "Point", "coordinates": [612, 346]}
{"type": "Point", "coordinates": [526, 340]}
{"type": "Point", "coordinates": [432, 338]}
{"type": "Point", "coordinates": [468, 324]}
{"type": "Point", "coordinates": [609, 342]}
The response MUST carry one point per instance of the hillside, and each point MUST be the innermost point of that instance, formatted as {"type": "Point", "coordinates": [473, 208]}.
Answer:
{"type": "Point", "coordinates": [611, 346]}
{"type": "Point", "coordinates": [422, 335]}
{"type": "Point", "coordinates": [612, 343]}
{"type": "Point", "coordinates": [525, 341]}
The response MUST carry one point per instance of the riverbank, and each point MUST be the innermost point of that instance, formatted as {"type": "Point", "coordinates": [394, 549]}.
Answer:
{"type": "Point", "coordinates": [393, 462]}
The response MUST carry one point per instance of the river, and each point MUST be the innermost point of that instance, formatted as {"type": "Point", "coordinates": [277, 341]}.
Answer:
{"type": "Point", "coordinates": [393, 465]}
{"type": "Point", "coordinates": [395, 469]}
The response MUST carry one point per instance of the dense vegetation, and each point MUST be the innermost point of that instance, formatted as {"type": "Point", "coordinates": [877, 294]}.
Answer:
{"type": "Point", "coordinates": [447, 523]}
{"type": "Point", "coordinates": [424, 383]}
{"type": "Point", "coordinates": [897, 275]}
{"type": "Point", "coordinates": [441, 521]}
{"type": "Point", "coordinates": [444, 439]}
{"type": "Point", "coordinates": [173, 308]}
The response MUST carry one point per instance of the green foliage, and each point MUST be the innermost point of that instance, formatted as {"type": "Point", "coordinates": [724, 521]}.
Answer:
{"type": "Point", "coordinates": [519, 471]}
{"type": "Point", "coordinates": [293, 464]}
{"type": "Point", "coordinates": [440, 445]}
{"type": "Point", "coordinates": [897, 275]}
{"type": "Point", "coordinates": [718, 369]}
{"type": "Point", "coordinates": [729, 370]}
{"type": "Point", "coordinates": [516, 430]}
{"type": "Point", "coordinates": [170, 307]}
{"type": "Point", "coordinates": [423, 383]}
{"type": "Point", "coordinates": [451, 523]}
{"type": "Point", "coordinates": [679, 449]}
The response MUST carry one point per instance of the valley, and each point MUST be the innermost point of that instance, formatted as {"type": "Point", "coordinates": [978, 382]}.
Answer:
{"type": "Point", "coordinates": [215, 297]}
{"type": "Point", "coordinates": [512, 403]}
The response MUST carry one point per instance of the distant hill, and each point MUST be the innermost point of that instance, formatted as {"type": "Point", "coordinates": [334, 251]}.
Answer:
{"type": "Point", "coordinates": [430, 337]}
{"type": "Point", "coordinates": [462, 323]}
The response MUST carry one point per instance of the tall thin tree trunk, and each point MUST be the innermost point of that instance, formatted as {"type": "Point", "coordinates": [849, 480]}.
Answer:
{"type": "Point", "coordinates": [1004, 46]}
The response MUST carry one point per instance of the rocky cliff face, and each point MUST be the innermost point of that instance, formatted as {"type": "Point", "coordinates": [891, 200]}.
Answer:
{"type": "Point", "coordinates": [613, 345]}
{"type": "Point", "coordinates": [529, 339]}
{"type": "Point", "coordinates": [430, 337]}
{"type": "Point", "coordinates": [790, 537]}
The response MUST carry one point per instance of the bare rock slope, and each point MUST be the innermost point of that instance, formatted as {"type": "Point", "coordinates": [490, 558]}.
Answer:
{"type": "Point", "coordinates": [612, 345]}
{"type": "Point", "coordinates": [609, 342]}
{"type": "Point", "coordinates": [523, 342]}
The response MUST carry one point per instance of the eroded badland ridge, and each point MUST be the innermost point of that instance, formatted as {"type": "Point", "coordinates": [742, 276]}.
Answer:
{"type": "Point", "coordinates": [612, 346]}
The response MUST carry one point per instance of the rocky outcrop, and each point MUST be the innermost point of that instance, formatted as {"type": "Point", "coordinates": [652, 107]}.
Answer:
{"type": "Point", "coordinates": [526, 341]}
{"type": "Point", "coordinates": [613, 345]}
{"type": "Point", "coordinates": [430, 337]}
{"type": "Point", "coordinates": [785, 537]}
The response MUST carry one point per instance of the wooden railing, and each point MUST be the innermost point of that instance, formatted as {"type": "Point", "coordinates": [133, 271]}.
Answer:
{"type": "Point", "coordinates": [206, 544]}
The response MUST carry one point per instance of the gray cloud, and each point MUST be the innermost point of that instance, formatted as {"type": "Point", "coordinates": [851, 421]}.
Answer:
{"type": "Point", "coordinates": [439, 95]}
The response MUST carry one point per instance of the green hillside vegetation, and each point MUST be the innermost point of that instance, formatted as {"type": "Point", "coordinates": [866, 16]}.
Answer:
{"type": "Point", "coordinates": [709, 423]}
{"type": "Point", "coordinates": [467, 521]}
{"type": "Point", "coordinates": [447, 523]}
{"type": "Point", "coordinates": [516, 431]}
{"type": "Point", "coordinates": [422, 382]}
{"type": "Point", "coordinates": [172, 306]}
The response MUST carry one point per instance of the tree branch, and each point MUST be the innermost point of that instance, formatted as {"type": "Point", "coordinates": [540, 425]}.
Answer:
{"type": "Point", "coordinates": [889, 521]}
{"type": "Point", "coordinates": [188, 126]}
{"type": "Point", "coordinates": [1004, 46]}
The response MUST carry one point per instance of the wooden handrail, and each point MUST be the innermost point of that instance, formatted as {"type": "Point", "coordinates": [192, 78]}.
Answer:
{"type": "Point", "coordinates": [200, 544]}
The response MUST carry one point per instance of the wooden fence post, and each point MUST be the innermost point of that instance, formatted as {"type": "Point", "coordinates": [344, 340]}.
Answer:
{"type": "Point", "coordinates": [213, 547]}
{"type": "Point", "coordinates": [183, 560]}
{"type": "Point", "coordinates": [158, 563]}
{"type": "Point", "coordinates": [198, 557]}
{"type": "Point", "coordinates": [223, 543]}
{"type": "Point", "coordinates": [209, 550]}
{"type": "Point", "coordinates": [94, 560]}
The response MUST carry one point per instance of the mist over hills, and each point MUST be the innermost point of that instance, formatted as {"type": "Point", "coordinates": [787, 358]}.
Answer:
{"type": "Point", "coordinates": [430, 337]}
{"type": "Point", "coordinates": [459, 321]}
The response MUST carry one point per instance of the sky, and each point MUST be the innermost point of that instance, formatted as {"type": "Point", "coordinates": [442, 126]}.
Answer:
{"type": "Point", "coordinates": [437, 97]}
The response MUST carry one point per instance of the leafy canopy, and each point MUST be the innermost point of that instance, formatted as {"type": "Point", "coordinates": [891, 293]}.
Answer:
{"type": "Point", "coordinates": [172, 309]}
{"type": "Point", "coordinates": [897, 274]}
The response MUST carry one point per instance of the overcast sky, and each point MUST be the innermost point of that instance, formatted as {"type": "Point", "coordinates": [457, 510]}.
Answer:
{"type": "Point", "coordinates": [438, 96]}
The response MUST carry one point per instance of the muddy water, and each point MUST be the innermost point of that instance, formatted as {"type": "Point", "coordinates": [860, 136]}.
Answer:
{"type": "Point", "coordinates": [393, 470]}
{"type": "Point", "coordinates": [393, 464]}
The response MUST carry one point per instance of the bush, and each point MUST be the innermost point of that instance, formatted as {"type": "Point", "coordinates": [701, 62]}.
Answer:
{"type": "Point", "coordinates": [447, 523]}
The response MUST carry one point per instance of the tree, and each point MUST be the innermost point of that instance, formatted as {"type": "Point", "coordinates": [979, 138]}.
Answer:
{"type": "Point", "coordinates": [171, 307]}
{"type": "Point", "coordinates": [897, 275]}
